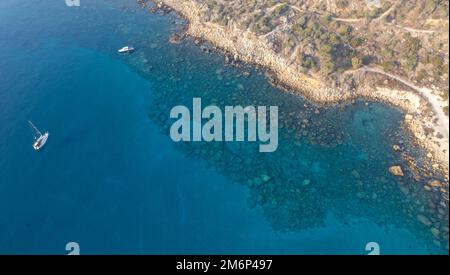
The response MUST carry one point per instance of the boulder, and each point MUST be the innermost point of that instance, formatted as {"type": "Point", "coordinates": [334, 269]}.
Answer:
{"type": "Point", "coordinates": [396, 171]}
{"type": "Point", "coordinates": [435, 183]}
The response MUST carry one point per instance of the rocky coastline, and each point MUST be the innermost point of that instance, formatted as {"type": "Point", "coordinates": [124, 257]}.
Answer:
{"type": "Point", "coordinates": [420, 117]}
{"type": "Point", "coordinates": [428, 129]}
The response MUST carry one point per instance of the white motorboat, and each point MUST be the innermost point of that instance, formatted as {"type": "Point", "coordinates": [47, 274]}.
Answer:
{"type": "Point", "coordinates": [39, 138]}
{"type": "Point", "coordinates": [126, 49]}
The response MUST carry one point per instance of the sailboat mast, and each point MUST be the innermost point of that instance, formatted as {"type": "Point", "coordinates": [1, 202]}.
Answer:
{"type": "Point", "coordinates": [34, 127]}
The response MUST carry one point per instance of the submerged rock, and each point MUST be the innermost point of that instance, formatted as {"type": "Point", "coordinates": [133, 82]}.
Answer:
{"type": "Point", "coordinates": [424, 220]}
{"type": "Point", "coordinates": [361, 195]}
{"type": "Point", "coordinates": [175, 39]}
{"type": "Point", "coordinates": [404, 190]}
{"type": "Point", "coordinates": [265, 178]}
{"type": "Point", "coordinates": [250, 183]}
{"type": "Point", "coordinates": [257, 181]}
{"type": "Point", "coordinates": [246, 74]}
{"type": "Point", "coordinates": [356, 174]}
{"type": "Point", "coordinates": [435, 232]}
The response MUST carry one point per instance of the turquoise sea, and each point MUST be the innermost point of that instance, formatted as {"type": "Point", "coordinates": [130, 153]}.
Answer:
{"type": "Point", "coordinates": [111, 179]}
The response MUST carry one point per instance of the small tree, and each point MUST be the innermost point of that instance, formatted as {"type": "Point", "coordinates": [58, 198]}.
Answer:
{"type": "Point", "coordinates": [356, 62]}
{"type": "Point", "coordinates": [327, 66]}
{"type": "Point", "coordinates": [301, 22]}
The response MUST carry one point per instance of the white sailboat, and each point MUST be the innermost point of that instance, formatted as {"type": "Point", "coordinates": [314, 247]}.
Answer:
{"type": "Point", "coordinates": [39, 138]}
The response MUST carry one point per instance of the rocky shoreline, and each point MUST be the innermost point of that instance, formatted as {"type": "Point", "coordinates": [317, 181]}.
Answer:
{"type": "Point", "coordinates": [245, 46]}
{"type": "Point", "coordinates": [240, 48]}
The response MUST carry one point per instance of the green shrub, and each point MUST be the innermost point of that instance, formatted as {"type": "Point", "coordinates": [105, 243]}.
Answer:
{"type": "Point", "coordinates": [356, 62]}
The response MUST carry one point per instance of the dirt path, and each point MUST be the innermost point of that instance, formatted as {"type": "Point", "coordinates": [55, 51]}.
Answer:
{"type": "Point", "coordinates": [384, 14]}
{"type": "Point", "coordinates": [432, 99]}
{"type": "Point", "coordinates": [415, 30]}
{"type": "Point", "coordinates": [358, 20]}
{"type": "Point", "coordinates": [347, 20]}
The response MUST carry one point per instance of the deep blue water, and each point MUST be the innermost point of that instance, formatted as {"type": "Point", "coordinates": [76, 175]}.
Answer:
{"type": "Point", "coordinates": [111, 179]}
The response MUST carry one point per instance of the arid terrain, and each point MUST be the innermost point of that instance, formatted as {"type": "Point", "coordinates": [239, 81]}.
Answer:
{"type": "Point", "coordinates": [394, 51]}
